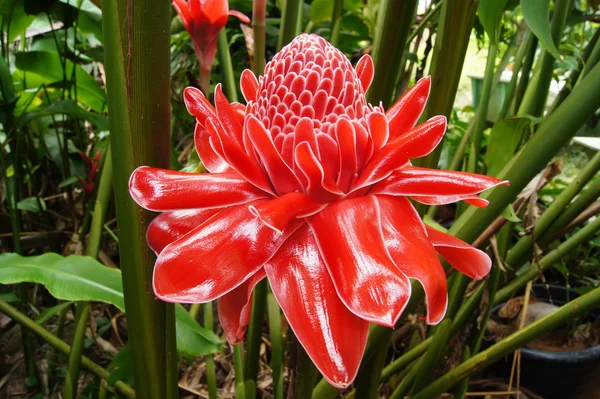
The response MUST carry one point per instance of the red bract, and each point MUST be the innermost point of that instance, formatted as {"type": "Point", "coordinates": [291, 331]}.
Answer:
{"type": "Point", "coordinates": [204, 19]}
{"type": "Point", "coordinates": [309, 187]}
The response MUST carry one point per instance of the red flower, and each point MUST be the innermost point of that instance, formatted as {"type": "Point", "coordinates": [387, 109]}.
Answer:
{"type": "Point", "coordinates": [204, 19]}
{"type": "Point", "coordinates": [92, 163]}
{"type": "Point", "coordinates": [309, 188]}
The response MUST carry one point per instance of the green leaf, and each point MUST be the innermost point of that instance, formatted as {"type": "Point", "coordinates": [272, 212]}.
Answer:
{"type": "Point", "coordinates": [320, 11]}
{"type": "Point", "coordinates": [14, 18]}
{"type": "Point", "coordinates": [510, 215]}
{"type": "Point", "coordinates": [68, 107]}
{"type": "Point", "coordinates": [490, 14]}
{"type": "Point", "coordinates": [48, 313]}
{"type": "Point", "coordinates": [81, 278]}
{"type": "Point", "coordinates": [47, 65]}
{"type": "Point", "coordinates": [503, 142]}
{"type": "Point", "coordinates": [9, 297]}
{"type": "Point", "coordinates": [68, 181]}
{"type": "Point", "coordinates": [537, 17]}
{"type": "Point", "coordinates": [32, 204]}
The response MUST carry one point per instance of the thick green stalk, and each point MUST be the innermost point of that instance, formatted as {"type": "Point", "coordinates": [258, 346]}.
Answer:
{"type": "Point", "coordinates": [482, 109]}
{"type": "Point", "coordinates": [274, 315]}
{"type": "Point", "coordinates": [305, 374]}
{"type": "Point", "coordinates": [367, 382]}
{"type": "Point", "coordinates": [259, 23]}
{"type": "Point", "coordinates": [75, 355]}
{"type": "Point", "coordinates": [534, 100]}
{"type": "Point", "coordinates": [525, 73]}
{"type": "Point", "coordinates": [61, 346]}
{"type": "Point", "coordinates": [575, 308]}
{"type": "Point", "coordinates": [584, 200]}
{"type": "Point", "coordinates": [522, 248]}
{"type": "Point", "coordinates": [238, 366]}
{"type": "Point", "coordinates": [136, 40]}
{"type": "Point", "coordinates": [592, 59]}
{"type": "Point", "coordinates": [524, 46]}
{"type": "Point", "coordinates": [336, 21]}
{"type": "Point", "coordinates": [257, 319]}
{"type": "Point", "coordinates": [534, 270]}
{"type": "Point", "coordinates": [462, 387]}
{"type": "Point", "coordinates": [211, 373]}
{"type": "Point", "coordinates": [435, 9]}
{"type": "Point", "coordinates": [226, 67]}
{"type": "Point", "coordinates": [452, 39]}
{"type": "Point", "coordinates": [406, 382]}
{"type": "Point", "coordinates": [393, 25]}
{"type": "Point", "coordinates": [432, 356]}
{"type": "Point", "coordinates": [290, 21]}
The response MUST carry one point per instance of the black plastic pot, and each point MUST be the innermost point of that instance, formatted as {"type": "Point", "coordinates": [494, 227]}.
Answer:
{"type": "Point", "coordinates": [560, 375]}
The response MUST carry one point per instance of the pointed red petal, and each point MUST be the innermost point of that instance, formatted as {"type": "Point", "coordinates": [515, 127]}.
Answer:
{"type": "Point", "coordinates": [346, 139]}
{"type": "Point", "coordinates": [437, 187]}
{"type": "Point", "coordinates": [463, 257]}
{"type": "Point", "coordinates": [210, 159]}
{"type": "Point", "coordinates": [365, 71]}
{"type": "Point", "coordinates": [405, 113]}
{"type": "Point", "coordinates": [332, 336]}
{"type": "Point", "coordinates": [378, 129]}
{"type": "Point", "coordinates": [227, 116]}
{"type": "Point", "coordinates": [197, 105]}
{"type": "Point", "coordinates": [415, 144]}
{"type": "Point", "coordinates": [235, 307]}
{"type": "Point", "coordinates": [181, 7]}
{"type": "Point", "coordinates": [216, 256]}
{"type": "Point", "coordinates": [280, 174]}
{"type": "Point", "coordinates": [239, 16]}
{"type": "Point", "coordinates": [411, 250]}
{"type": "Point", "coordinates": [320, 185]}
{"type": "Point", "coordinates": [350, 240]}
{"type": "Point", "coordinates": [170, 226]}
{"type": "Point", "coordinates": [280, 211]}
{"type": "Point", "coordinates": [166, 190]}
{"type": "Point", "coordinates": [237, 158]}
{"type": "Point", "coordinates": [249, 85]}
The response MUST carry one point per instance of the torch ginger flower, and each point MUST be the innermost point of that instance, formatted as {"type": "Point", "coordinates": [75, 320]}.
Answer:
{"type": "Point", "coordinates": [204, 19]}
{"type": "Point", "coordinates": [309, 187]}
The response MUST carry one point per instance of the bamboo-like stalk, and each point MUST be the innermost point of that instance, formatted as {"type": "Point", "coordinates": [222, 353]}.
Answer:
{"type": "Point", "coordinates": [585, 199]}
{"type": "Point", "coordinates": [452, 39]}
{"type": "Point", "coordinates": [534, 99]}
{"type": "Point", "coordinates": [575, 308]}
{"type": "Point", "coordinates": [257, 319]}
{"type": "Point", "coordinates": [229, 85]}
{"type": "Point", "coordinates": [62, 346]}
{"type": "Point", "coordinates": [367, 380]}
{"type": "Point", "coordinates": [522, 248]}
{"type": "Point", "coordinates": [136, 39]}
{"type": "Point", "coordinates": [259, 23]}
{"type": "Point", "coordinates": [211, 373]}
{"type": "Point", "coordinates": [238, 366]}
{"type": "Point", "coordinates": [432, 356]}
{"type": "Point", "coordinates": [525, 77]}
{"type": "Point", "coordinates": [75, 355]}
{"type": "Point", "coordinates": [391, 31]}
{"type": "Point", "coordinates": [524, 46]}
{"type": "Point", "coordinates": [291, 16]}
{"type": "Point", "coordinates": [336, 21]}
{"type": "Point", "coordinates": [435, 9]}
{"type": "Point", "coordinates": [305, 374]}
{"type": "Point", "coordinates": [274, 315]}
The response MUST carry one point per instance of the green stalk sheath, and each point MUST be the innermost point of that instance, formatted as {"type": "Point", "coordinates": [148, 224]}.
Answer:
{"type": "Point", "coordinates": [226, 67]}
{"type": "Point", "coordinates": [575, 308]}
{"type": "Point", "coordinates": [522, 248]}
{"type": "Point", "coordinates": [305, 374]}
{"type": "Point", "coordinates": [336, 21]}
{"type": "Point", "coordinates": [259, 23]}
{"type": "Point", "coordinates": [452, 39]}
{"type": "Point", "coordinates": [291, 15]}
{"type": "Point", "coordinates": [534, 270]}
{"type": "Point", "coordinates": [482, 109]}
{"type": "Point", "coordinates": [393, 25]}
{"type": "Point", "coordinates": [75, 355]}
{"type": "Point", "coordinates": [257, 318]}
{"type": "Point", "coordinates": [211, 373]}
{"type": "Point", "coordinates": [136, 39]}
{"type": "Point", "coordinates": [274, 315]}
{"type": "Point", "coordinates": [61, 346]}
{"type": "Point", "coordinates": [534, 99]}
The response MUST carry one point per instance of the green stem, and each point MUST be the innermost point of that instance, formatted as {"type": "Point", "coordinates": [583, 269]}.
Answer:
{"type": "Point", "coordinates": [259, 22]}
{"type": "Point", "coordinates": [482, 109]}
{"type": "Point", "coordinates": [290, 18]}
{"type": "Point", "coordinates": [526, 43]}
{"type": "Point", "coordinates": [274, 315]}
{"type": "Point", "coordinates": [257, 318]}
{"type": "Point", "coordinates": [522, 248]}
{"type": "Point", "coordinates": [238, 366]}
{"type": "Point", "coordinates": [592, 59]}
{"type": "Point", "coordinates": [585, 199]}
{"type": "Point", "coordinates": [336, 21]}
{"type": "Point", "coordinates": [432, 356]}
{"type": "Point", "coordinates": [575, 308]}
{"type": "Point", "coordinates": [305, 374]}
{"type": "Point", "coordinates": [211, 373]}
{"type": "Point", "coordinates": [226, 67]}
{"type": "Point", "coordinates": [61, 346]}
{"type": "Point", "coordinates": [406, 382]}
{"type": "Point", "coordinates": [75, 355]}
{"type": "Point", "coordinates": [525, 74]}
{"type": "Point", "coordinates": [367, 382]}
{"type": "Point", "coordinates": [393, 25]}
{"type": "Point", "coordinates": [534, 100]}
{"type": "Point", "coordinates": [435, 9]}
{"type": "Point", "coordinates": [136, 40]}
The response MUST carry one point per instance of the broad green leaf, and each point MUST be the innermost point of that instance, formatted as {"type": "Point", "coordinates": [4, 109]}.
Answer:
{"type": "Point", "coordinates": [47, 65]}
{"type": "Point", "coordinates": [14, 17]}
{"type": "Point", "coordinates": [9, 297]}
{"type": "Point", "coordinates": [81, 278]}
{"type": "Point", "coordinates": [490, 14]}
{"type": "Point", "coordinates": [68, 107]}
{"type": "Point", "coordinates": [32, 204]}
{"type": "Point", "coordinates": [320, 11]}
{"type": "Point", "coordinates": [48, 313]}
{"type": "Point", "coordinates": [503, 142]}
{"type": "Point", "coordinates": [537, 17]}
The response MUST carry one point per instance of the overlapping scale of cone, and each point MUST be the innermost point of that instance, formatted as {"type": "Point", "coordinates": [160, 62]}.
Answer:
{"type": "Point", "coordinates": [309, 187]}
